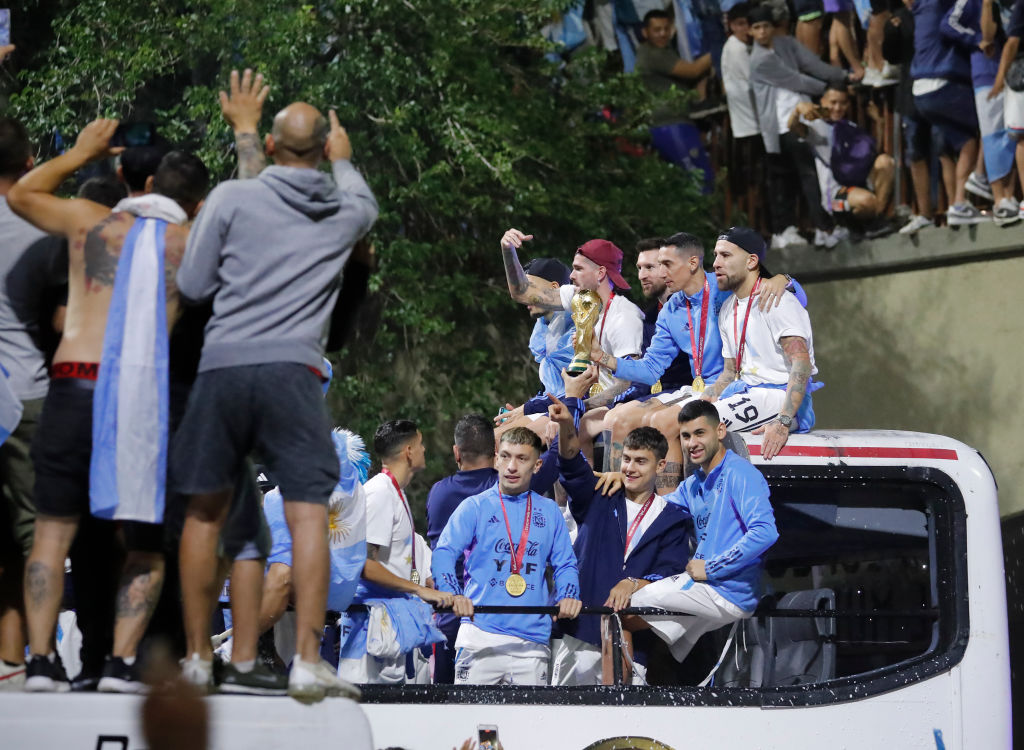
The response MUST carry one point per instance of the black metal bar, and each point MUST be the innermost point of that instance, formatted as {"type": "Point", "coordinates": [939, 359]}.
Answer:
{"type": "Point", "coordinates": [616, 636]}
{"type": "Point", "coordinates": [501, 609]}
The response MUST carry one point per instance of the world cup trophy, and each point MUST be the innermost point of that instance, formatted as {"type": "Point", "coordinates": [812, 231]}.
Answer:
{"type": "Point", "coordinates": [586, 309]}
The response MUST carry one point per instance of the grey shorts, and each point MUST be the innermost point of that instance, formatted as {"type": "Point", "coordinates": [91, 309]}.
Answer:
{"type": "Point", "coordinates": [275, 410]}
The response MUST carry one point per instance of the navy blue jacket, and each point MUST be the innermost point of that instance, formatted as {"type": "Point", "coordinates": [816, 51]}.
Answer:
{"type": "Point", "coordinates": [600, 545]}
{"type": "Point", "coordinates": [936, 56]}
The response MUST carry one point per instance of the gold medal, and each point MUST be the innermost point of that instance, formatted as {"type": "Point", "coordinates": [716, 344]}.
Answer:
{"type": "Point", "coordinates": [656, 388]}
{"type": "Point", "coordinates": [515, 585]}
{"type": "Point", "coordinates": [415, 577]}
{"type": "Point", "coordinates": [595, 389]}
{"type": "Point", "coordinates": [698, 384]}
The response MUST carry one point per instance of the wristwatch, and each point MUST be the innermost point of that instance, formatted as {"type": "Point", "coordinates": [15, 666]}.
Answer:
{"type": "Point", "coordinates": [785, 420]}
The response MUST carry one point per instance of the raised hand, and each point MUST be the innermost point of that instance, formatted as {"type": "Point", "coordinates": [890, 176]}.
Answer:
{"type": "Point", "coordinates": [338, 144]}
{"type": "Point", "coordinates": [242, 107]}
{"type": "Point", "coordinates": [558, 412]}
{"type": "Point", "coordinates": [514, 239]}
{"type": "Point", "coordinates": [576, 386]}
{"type": "Point", "coordinates": [94, 140]}
{"type": "Point", "coordinates": [6, 50]}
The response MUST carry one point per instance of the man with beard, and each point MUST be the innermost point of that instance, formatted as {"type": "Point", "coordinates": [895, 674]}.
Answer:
{"type": "Point", "coordinates": [728, 500]}
{"type": "Point", "coordinates": [768, 367]}
{"type": "Point", "coordinates": [687, 324]}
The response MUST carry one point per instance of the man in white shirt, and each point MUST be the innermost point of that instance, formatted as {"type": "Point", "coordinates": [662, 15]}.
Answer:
{"type": "Point", "coordinates": [736, 74]}
{"type": "Point", "coordinates": [394, 562]}
{"type": "Point", "coordinates": [767, 379]}
{"type": "Point", "coordinates": [597, 267]}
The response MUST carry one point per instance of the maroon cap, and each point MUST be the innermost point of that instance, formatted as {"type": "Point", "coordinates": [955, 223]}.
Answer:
{"type": "Point", "coordinates": [605, 253]}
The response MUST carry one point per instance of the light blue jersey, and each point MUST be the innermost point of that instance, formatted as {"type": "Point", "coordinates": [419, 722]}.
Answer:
{"type": "Point", "coordinates": [478, 525]}
{"type": "Point", "coordinates": [672, 336]}
{"type": "Point", "coordinates": [735, 526]}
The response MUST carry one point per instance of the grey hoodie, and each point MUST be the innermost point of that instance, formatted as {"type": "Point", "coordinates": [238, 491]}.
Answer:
{"type": "Point", "coordinates": [270, 252]}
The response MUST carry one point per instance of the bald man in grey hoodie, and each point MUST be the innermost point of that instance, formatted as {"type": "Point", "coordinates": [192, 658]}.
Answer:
{"type": "Point", "coordinates": [269, 252]}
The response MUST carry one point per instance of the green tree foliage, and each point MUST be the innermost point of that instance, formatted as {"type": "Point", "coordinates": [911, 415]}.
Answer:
{"type": "Point", "coordinates": [461, 126]}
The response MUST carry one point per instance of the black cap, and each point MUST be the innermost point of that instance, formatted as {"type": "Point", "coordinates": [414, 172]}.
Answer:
{"type": "Point", "coordinates": [738, 11]}
{"type": "Point", "coordinates": [548, 269]}
{"type": "Point", "coordinates": [747, 240]}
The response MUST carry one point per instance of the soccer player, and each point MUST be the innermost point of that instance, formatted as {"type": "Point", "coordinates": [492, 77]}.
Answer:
{"type": "Point", "coordinates": [727, 499]}
{"type": "Point", "coordinates": [512, 535]}
{"type": "Point", "coordinates": [625, 541]}
{"type": "Point", "coordinates": [767, 377]}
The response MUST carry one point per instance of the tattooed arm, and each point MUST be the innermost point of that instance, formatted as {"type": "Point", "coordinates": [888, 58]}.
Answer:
{"type": "Point", "coordinates": [242, 108]}
{"type": "Point", "coordinates": [32, 197]}
{"type": "Point", "coordinates": [607, 396]}
{"type": "Point", "coordinates": [375, 572]}
{"type": "Point", "coordinates": [528, 291]}
{"type": "Point", "coordinates": [713, 391]}
{"type": "Point", "coordinates": [798, 360]}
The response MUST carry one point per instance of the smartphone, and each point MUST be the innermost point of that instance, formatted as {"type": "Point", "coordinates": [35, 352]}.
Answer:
{"type": "Point", "coordinates": [487, 737]}
{"type": "Point", "coordinates": [5, 26]}
{"type": "Point", "coordinates": [134, 134]}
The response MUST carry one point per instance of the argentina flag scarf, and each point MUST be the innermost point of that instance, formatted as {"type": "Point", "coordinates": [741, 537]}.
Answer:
{"type": "Point", "coordinates": [128, 472]}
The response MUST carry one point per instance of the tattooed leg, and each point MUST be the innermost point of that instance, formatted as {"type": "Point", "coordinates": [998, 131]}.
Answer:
{"type": "Point", "coordinates": [666, 421]}
{"type": "Point", "coordinates": [137, 594]}
{"type": "Point", "coordinates": [44, 579]}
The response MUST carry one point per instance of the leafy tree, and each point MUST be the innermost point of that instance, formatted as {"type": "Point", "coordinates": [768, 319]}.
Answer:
{"type": "Point", "coordinates": [462, 127]}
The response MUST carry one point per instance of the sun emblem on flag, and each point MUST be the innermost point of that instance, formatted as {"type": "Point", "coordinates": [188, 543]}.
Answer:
{"type": "Point", "coordinates": [337, 529]}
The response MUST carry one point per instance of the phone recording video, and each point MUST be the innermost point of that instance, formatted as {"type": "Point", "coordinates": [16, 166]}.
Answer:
{"type": "Point", "coordinates": [487, 737]}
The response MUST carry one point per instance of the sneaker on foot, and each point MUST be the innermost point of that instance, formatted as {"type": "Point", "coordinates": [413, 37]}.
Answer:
{"type": "Point", "coordinates": [836, 236]}
{"type": "Point", "coordinates": [198, 672]}
{"type": "Point", "coordinates": [964, 214]}
{"type": "Point", "coordinates": [1007, 211]}
{"type": "Point", "coordinates": [309, 683]}
{"type": "Point", "coordinates": [45, 674]}
{"type": "Point", "coordinates": [792, 236]}
{"type": "Point", "coordinates": [916, 224]}
{"type": "Point", "coordinates": [979, 186]}
{"type": "Point", "coordinates": [12, 676]}
{"type": "Point", "coordinates": [257, 681]}
{"type": "Point", "coordinates": [820, 238]}
{"type": "Point", "coordinates": [120, 677]}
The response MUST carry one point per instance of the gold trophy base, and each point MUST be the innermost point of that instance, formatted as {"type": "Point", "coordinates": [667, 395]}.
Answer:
{"type": "Point", "coordinates": [577, 366]}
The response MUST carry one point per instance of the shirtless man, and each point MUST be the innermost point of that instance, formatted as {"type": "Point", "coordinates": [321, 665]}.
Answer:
{"type": "Point", "coordinates": [63, 446]}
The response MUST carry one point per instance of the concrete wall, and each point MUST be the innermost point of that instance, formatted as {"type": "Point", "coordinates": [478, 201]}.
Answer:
{"type": "Point", "coordinates": [938, 349]}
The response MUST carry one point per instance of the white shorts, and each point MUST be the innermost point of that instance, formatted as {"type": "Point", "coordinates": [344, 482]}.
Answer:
{"type": "Point", "coordinates": [1013, 111]}
{"type": "Point", "coordinates": [743, 412]}
{"type": "Point", "coordinates": [370, 670]}
{"type": "Point", "coordinates": [708, 611]}
{"type": "Point", "coordinates": [675, 398]}
{"type": "Point", "coordinates": [489, 667]}
{"type": "Point", "coordinates": [576, 662]}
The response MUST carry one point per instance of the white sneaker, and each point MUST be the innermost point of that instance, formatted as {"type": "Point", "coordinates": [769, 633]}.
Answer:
{"type": "Point", "coordinates": [309, 683]}
{"type": "Point", "coordinates": [12, 676]}
{"type": "Point", "coordinates": [1006, 212]}
{"type": "Point", "coordinates": [979, 186]}
{"type": "Point", "coordinates": [916, 224]}
{"type": "Point", "coordinates": [778, 242]}
{"type": "Point", "coordinates": [791, 236]}
{"type": "Point", "coordinates": [820, 238]}
{"type": "Point", "coordinates": [836, 236]}
{"type": "Point", "coordinates": [198, 672]}
{"type": "Point", "coordinates": [872, 77]}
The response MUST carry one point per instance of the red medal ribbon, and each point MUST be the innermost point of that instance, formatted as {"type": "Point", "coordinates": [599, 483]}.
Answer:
{"type": "Point", "coordinates": [746, 316]}
{"type": "Point", "coordinates": [408, 512]}
{"type": "Point", "coordinates": [518, 552]}
{"type": "Point", "coordinates": [604, 314]}
{"type": "Point", "coordinates": [697, 347]}
{"type": "Point", "coordinates": [636, 523]}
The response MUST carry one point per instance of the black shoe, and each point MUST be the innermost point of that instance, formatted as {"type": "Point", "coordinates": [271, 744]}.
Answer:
{"type": "Point", "coordinates": [257, 681]}
{"type": "Point", "coordinates": [45, 674]}
{"type": "Point", "coordinates": [119, 677]}
{"type": "Point", "coordinates": [85, 682]}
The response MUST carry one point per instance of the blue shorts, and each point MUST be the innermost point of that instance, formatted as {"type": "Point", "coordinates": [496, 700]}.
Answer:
{"type": "Point", "coordinates": [920, 136]}
{"type": "Point", "coordinates": [838, 6]}
{"type": "Point", "coordinates": [951, 110]}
